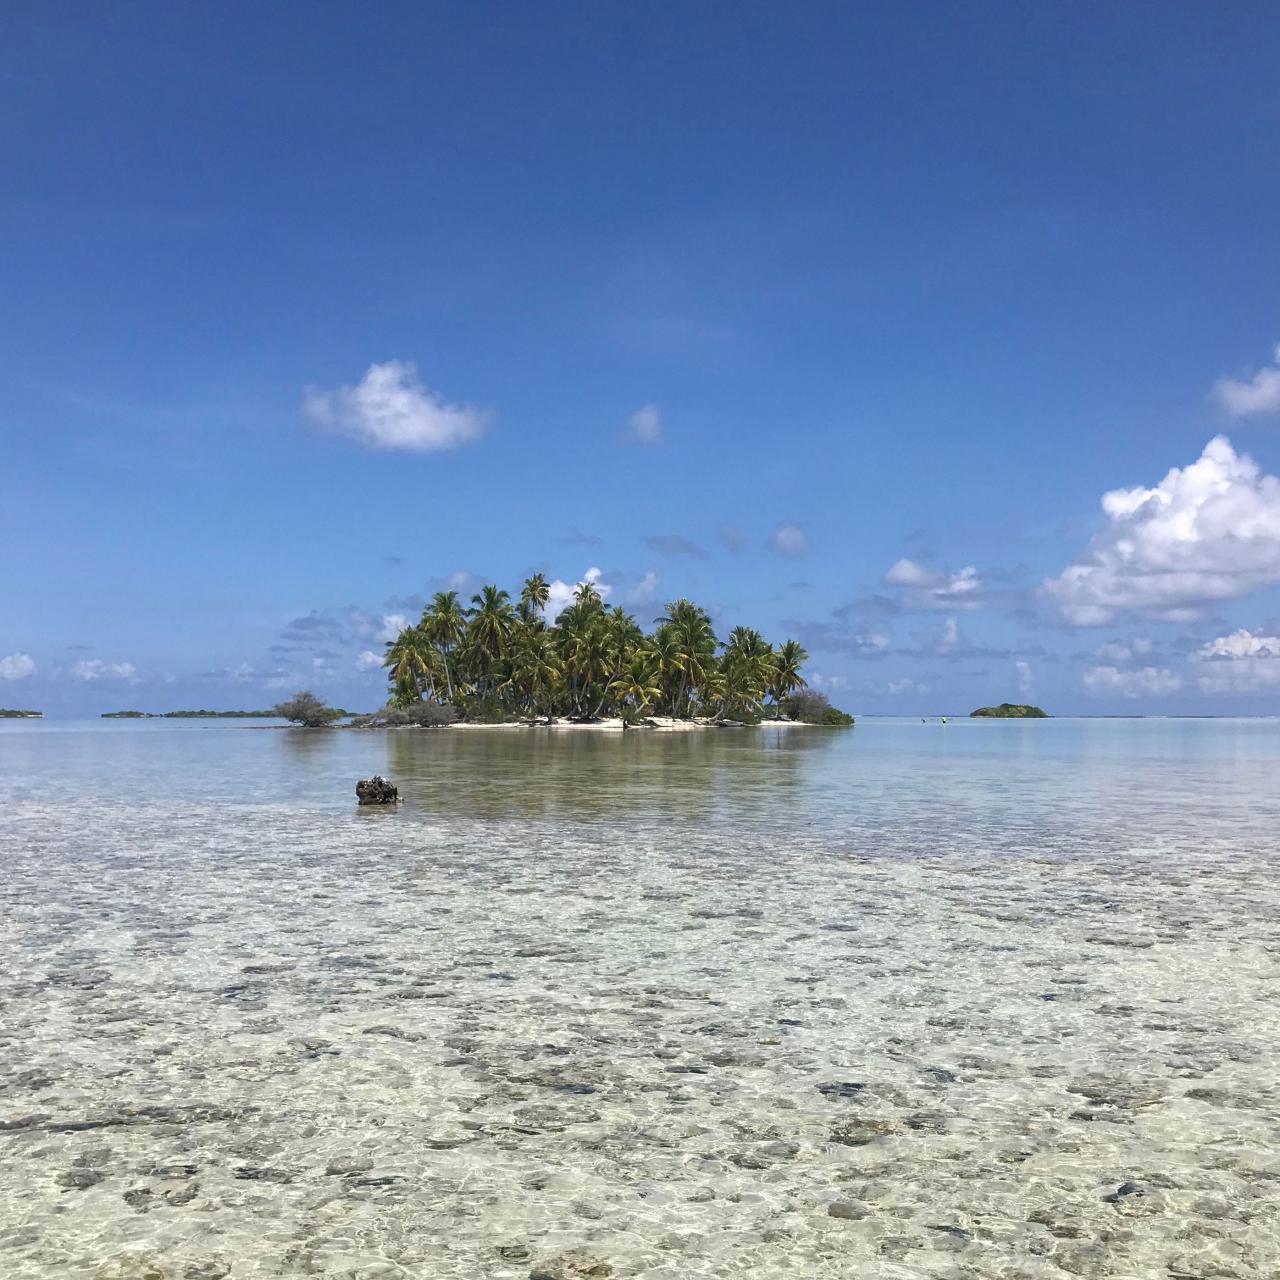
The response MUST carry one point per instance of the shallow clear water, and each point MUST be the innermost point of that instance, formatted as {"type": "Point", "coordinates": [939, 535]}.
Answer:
{"type": "Point", "coordinates": [665, 999]}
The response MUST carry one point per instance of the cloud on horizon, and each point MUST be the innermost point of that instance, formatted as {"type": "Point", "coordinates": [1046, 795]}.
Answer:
{"type": "Point", "coordinates": [17, 666]}
{"type": "Point", "coordinates": [1142, 682]}
{"type": "Point", "coordinates": [1239, 663]}
{"type": "Point", "coordinates": [390, 409]}
{"type": "Point", "coordinates": [96, 669]}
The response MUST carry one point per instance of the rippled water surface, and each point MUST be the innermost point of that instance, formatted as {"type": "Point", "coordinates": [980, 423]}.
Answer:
{"type": "Point", "coordinates": [982, 1000]}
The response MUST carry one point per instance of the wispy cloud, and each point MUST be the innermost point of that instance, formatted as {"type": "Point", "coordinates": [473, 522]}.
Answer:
{"type": "Point", "coordinates": [576, 538]}
{"type": "Point", "coordinates": [644, 426]}
{"type": "Point", "coordinates": [673, 544]}
{"type": "Point", "coordinates": [96, 669]}
{"type": "Point", "coordinates": [1141, 682]}
{"type": "Point", "coordinates": [1026, 681]}
{"type": "Point", "coordinates": [732, 539]}
{"type": "Point", "coordinates": [791, 540]}
{"type": "Point", "coordinates": [389, 408]}
{"type": "Point", "coordinates": [1257, 393]}
{"type": "Point", "coordinates": [927, 588]}
{"type": "Point", "coordinates": [645, 589]}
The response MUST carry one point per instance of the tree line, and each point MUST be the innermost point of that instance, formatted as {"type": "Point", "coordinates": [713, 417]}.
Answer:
{"type": "Point", "coordinates": [499, 657]}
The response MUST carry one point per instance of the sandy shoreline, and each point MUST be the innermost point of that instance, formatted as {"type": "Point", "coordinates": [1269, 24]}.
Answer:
{"type": "Point", "coordinates": [615, 725]}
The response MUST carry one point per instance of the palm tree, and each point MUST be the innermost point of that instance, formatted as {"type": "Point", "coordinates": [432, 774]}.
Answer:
{"type": "Point", "coordinates": [535, 670]}
{"type": "Point", "coordinates": [786, 670]}
{"type": "Point", "coordinates": [410, 660]}
{"type": "Point", "coordinates": [536, 591]}
{"type": "Point", "coordinates": [444, 625]}
{"type": "Point", "coordinates": [664, 652]}
{"type": "Point", "coordinates": [696, 645]}
{"type": "Point", "coordinates": [488, 624]}
{"type": "Point", "coordinates": [637, 683]}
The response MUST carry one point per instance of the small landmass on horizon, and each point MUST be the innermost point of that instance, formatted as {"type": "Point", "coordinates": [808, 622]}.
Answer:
{"type": "Point", "coordinates": [1010, 711]}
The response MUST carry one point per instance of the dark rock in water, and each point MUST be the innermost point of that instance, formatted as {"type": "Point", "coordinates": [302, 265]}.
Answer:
{"type": "Point", "coordinates": [851, 1210]}
{"type": "Point", "coordinates": [23, 1122]}
{"type": "Point", "coordinates": [252, 1173]}
{"type": "Point", "coordinates": [1123, 1190]}
{"type": "Point", "coordinates": [79, 1179]}
{"type": "Point", "coordinates": [214, 1270]}
{"type": "Point", "coordinates": [841, 1089]}
{"type": "Point", "coordinates": [376, 790]}
{"type": "Point", "coordinates": [573, 1265]}
{"type": "Point", "coordinates": [859, 1133]}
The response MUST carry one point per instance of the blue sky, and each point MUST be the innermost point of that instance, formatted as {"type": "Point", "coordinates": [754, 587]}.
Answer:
{"type": "Point", "coordinates": [838, 319]}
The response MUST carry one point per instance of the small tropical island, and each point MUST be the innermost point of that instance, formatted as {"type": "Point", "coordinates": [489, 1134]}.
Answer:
{"type": "Point", "coordinates": [8, 713]}
{"type": "Point", "coordinates": [1010, 711]}
{"type": "Point", "coordinates": [502, 661]}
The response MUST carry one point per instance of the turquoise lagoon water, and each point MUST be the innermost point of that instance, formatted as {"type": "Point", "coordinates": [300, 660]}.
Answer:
{"type": "Point", "coordinates": [989, 999]}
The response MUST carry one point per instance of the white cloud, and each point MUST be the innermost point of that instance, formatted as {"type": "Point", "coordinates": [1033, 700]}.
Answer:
{"type": "Point", "coordinates": [1115, 651]}
{"type": "Point", "coordinates": [1206, 533]}
{"type": "Point", "coordinates": [872, 641]}
{"type": "Point", "coordinates": [645, 589]}
{"type": "Point", "coordinates": [1145, 682]}
{"type": "Point", "coordinates": [392, 625]}
{"type": "Point", "coordinates": [791, 540]}
{"type": "Point", "coordinates": [906, 685]}
{"type": "Point", "coordinates": [560, 594]}
{"type": "Point", "coordinates": [819, 681]}
{"type": "Point", "coordinates": [1242, 662]}
{"type": "Point", "coordinates": [97, 669]}
{"type": "Point", "coordinates": [949, 637]}
{"type": "Point", "coordinates": [1242, 644]}
{"type": "Point", "coordinates": [368, 661]}
{"type": "Point", "coordinates": [389, 408]}
{"type": "Point", "coordinates": [934, 588]}
{"type": "Point", "coordinates": [17, 666]}
{"type": "Point", "coordinates": [1257, 394]}
{"type": "Point", "coordinates": [644, 426]}
{"type": "Point", "coordinates": [1026, 681]}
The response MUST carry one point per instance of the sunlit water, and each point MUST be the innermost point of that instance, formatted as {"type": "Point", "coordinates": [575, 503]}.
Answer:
{"type": "Point", "coordinates": [982, 1000]}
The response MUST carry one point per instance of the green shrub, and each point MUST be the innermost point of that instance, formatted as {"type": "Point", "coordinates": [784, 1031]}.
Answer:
{"type": "Point", "coordinates": [811, 707]}
{"type": "Point", "coordinates": [478, 709]}
{"type": "Point", "coordinates": [306, 709]}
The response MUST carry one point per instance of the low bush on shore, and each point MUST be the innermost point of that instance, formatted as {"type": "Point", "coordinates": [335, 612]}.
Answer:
{"type": "Point", "coordinates": [305, 709]}
{"type": "Point", "coordinates": [808, 706]}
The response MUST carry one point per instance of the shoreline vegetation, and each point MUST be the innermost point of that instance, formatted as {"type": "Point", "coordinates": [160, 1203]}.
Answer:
{"type": "Point", "coordinates": [1009, 711]}
{"type": "Point", "coordinates": [501, 662]}
{"type": "Point", "coordinates": [9, 713]}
